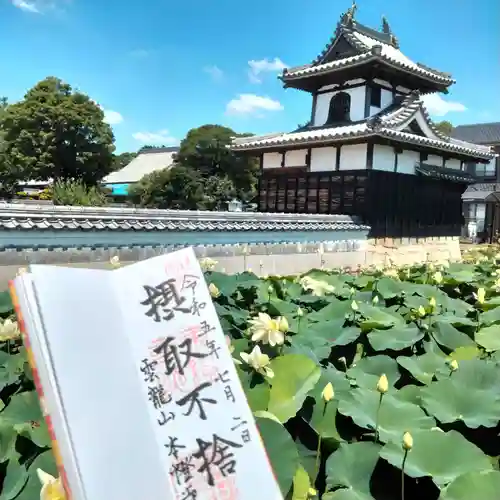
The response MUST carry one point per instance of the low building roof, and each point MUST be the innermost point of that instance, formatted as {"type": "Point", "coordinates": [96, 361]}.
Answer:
{"type": "Point", "coordinates": [147, 161]}
{"type": "Point", "coordinates": [479, 133]}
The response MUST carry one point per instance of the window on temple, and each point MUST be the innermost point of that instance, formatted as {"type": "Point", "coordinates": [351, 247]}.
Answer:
{"type": "Point", "coordinates": [485, 169]}
{"type": "Point", "coordinates": [340, 108]}
{"type": "Point", "coordinates": [376, 97]}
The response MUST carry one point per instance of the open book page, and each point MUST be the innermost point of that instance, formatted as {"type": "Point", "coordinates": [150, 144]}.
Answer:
{"type": "Point", "coordinates": [108, 423]}
{"type": "Point", "coordinates": [204, 428]}
{"type": "Point", "coordinates": [28, 315]}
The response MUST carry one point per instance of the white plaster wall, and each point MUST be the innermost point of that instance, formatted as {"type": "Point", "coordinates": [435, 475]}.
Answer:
{"type": "Point", "coordinates": [272, 160]}
{"type": "Point", "coordinates": [323, 159]}
{"type": "Point", "coordinates": [295, 158]}
{"type": "Point", "coordinates": [434, 160]}
{"type": "Point", "coordinates": [407, 161]}
{"type": "Point", "coordinates": [453, 163]}
{"type": "Point", "coordinates": [357, 105]}
{"type": "Point", "coordinates": [353, 157]}
{"type": "Point", "coordinates": [383, 158]}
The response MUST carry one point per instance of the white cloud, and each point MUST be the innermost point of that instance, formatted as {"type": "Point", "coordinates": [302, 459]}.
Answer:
{"type": "Point", "coordinates": [215, 72]}
{"type": "Point", "coordinates": [437, 106]}
{"type": "Point", "coordinates": [26, 6]}
{"type": "Point", "coordinates": [161, 137]}
{"type": "Point", "coordinates": [112, 117]}
{"type": "Point", "coordinates": [251, 104]}
{"type": "Point", "coordinates": [264, 66]}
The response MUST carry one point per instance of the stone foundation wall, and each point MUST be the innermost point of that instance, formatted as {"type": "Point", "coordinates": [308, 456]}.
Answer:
{"type": "Point", "coordinates": [281, 259]}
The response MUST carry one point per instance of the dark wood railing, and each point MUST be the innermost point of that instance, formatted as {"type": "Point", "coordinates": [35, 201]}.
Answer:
{"type": "Point", "coordinates": [393, 204]}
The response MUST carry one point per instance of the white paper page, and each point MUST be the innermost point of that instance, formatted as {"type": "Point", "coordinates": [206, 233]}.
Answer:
{"type": "Point", "coordinates": [108, 422]}
{"type": "Point", "coordinates": [210, 446]}
{"type": "Point", "coordinates": [51, 404]}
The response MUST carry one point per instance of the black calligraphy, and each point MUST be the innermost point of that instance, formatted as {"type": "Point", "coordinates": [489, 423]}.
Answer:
{"type": "Point", "coordinates": [195, 398]}
{"type": "Point", "coordinates": [217, 453]}
{"type": "Point", "coordinates": [164, 300]}
{"type": "Point", "coordinates": [177, 357]}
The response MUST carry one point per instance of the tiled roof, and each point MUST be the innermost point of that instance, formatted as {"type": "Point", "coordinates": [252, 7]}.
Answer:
{"type": "Point", "coordinates": [373, 50]}
{"type": "Point", "coordinates": [449, 174]}
{"type": "Point", "coordinates": [371, 45]}
{"type": "Point", "coordinates": [480, 133]}
{"type": "Point", "coordinates": [147, 161]}
{"type": "Point", "coordinates": [50, 218]}
{"type": "Point", "coordinates": [382, 124]}
{"type": "Point", "coordinates": [308, 136]}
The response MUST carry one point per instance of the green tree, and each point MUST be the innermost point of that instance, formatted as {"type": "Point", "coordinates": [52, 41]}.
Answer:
{"type": "Point", "coordinates": [122, 160]}
{"type": "Point", "coordinates": [178, 188]}
{"type": "Point", "coordinates": [56, 132]}
{"type": "Point", "coordinates": [445, 127]}
{"type": "Point", "coordinates": [70, 192]}
{"type": "Point", "coordinates": [205, 150]}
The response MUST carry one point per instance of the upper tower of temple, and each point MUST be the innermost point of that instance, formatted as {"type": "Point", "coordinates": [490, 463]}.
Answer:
{"type": "Point", "coordinates": [357, 52]}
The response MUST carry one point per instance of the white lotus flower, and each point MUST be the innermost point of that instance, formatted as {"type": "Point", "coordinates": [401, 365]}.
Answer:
{"type": "Point", "coordinates": [258, 361]}
{"type": "Point", "coordinates": [207, 264]}
{"type": "Point", "coordinates": [316, 287]}
{"type": "Point", "coordinates": [52, 488]}
{"type": "Point", "coordinates": [9, 330]}
{"type": "Point", "coordinates": [267, 330]}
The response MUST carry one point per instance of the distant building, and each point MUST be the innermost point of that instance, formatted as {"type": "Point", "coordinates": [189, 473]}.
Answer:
{"type": "Point", "coordinates": [481, 201]}
{"type": "Point", "coordinates": [147, 161]}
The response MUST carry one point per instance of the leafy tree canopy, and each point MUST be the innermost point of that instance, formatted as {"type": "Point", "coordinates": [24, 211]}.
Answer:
{"type": "Point", "coordinates": [206, 174]}
{"type": "Point", "coordinates": [122, 160]}
{"type": "Point", "coordinates": [178, 188]}
{"type": "Point", "coordinates": [205, 150]}
{"type": "Point", "coordinates": [56, 132]}
{"type": "Point", "coordinates": [445, 127]}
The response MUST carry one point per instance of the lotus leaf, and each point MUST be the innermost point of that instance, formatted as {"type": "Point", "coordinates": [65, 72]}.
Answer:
{"type": "Point", "coordinates": [395, 417]}
{"type": "Point", "coordinates": [349, 471]}
{"type": "Point", "coordinates": [443, 456]}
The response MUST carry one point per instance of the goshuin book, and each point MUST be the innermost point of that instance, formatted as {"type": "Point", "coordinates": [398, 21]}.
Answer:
{"type": "Point", "coordinates": [137, 383]}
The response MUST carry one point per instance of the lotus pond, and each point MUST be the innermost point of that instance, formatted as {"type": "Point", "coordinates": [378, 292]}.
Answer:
{"type": "Point", "coordinates": [382, 385]}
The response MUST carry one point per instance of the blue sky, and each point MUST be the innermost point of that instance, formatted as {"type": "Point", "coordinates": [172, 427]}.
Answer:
{"type": "Point", "coordinates": [161, 67]}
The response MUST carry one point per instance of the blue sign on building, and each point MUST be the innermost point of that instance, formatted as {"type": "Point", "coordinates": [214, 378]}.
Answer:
{"type": "Point", "coordinates": [118, 189]}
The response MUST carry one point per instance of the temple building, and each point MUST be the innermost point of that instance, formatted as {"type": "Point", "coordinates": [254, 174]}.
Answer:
{"type": "Point", "coordinates": [369, 148]}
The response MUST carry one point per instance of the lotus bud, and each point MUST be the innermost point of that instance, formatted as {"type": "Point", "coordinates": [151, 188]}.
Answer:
{"type": "Point", "coordinates": [421, 311]}
{"type": "Point", "coordinates": [283, 324]}
{"type": "Point", "coordinates": [383, 384]}
{"type": "Point", "coordinates": [481, 295]}
{"type": "Point", "coordinates": [354, 305]}
{"type": "Point", "coordinates": [407, 441]}
{"type": "Point", "coordinates": [328, 393]}
{"type": "Point", "coordinates": [214, 291]}
{"type": "Point", "coordinates": [437, 277]}
{"type": "Point", "coordinates": [375, 300]}
{"type": "Point", "coordinates": [432, 303]}
{"type": "Point", "coordinates": [453, 364]}
{"type": "Point", "coordinates": [300, 312]}
{"type": "Point", "coordinates": [270, 289]}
